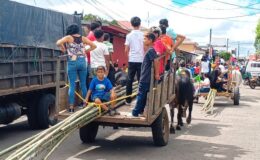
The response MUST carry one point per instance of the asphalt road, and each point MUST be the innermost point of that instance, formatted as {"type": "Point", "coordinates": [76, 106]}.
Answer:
{"type": "Point", "coordinates": [231, 133]}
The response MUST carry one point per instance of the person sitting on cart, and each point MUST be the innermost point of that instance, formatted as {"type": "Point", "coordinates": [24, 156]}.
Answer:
{"type": "Point", "coordinates": [145, 78]}
{"type": "Point", "coordinates": [101, 89]}
{"type": "Point", "coordinates": [216, 81]}
{"type": "Point", "coordinates": [205, 84]}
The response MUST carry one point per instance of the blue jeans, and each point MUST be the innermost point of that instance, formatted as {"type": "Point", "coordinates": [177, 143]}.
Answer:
{"type": "Point", "coordinates": [77, 68]}
{"type": "Point", "coordinates": [204, 90]}
{"type": "Point", "coordinates": [141, 98]}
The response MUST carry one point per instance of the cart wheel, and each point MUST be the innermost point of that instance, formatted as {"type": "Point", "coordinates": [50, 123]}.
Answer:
{"type": "Point", "coordinates": [252, 85]}
{"type": "Point", "coordinates": [88, 132]}
{"type": "Point", "coordinates": [46, 111]}
{"type": "Point", "coordinates": [160, 129]}
{"type": "Point", "coordinates": [236, 96]}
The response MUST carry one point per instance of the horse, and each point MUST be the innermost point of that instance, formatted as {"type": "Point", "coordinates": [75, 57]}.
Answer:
{"type": "Point", "coordinates": [184, 99]}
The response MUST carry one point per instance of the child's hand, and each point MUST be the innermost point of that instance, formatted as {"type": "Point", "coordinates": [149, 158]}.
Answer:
{"type": "Point", "coordinates": [113, 95]}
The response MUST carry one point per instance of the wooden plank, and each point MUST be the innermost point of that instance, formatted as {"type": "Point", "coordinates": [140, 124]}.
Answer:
{"type": "Point", "coordinates": [150, 95]}
{"type": "Point", "coordinates": [170, 86]}
{"type": "Point", "coordinates": [28, 88]}
{"type": "Point", "coordinates": [157, 97]}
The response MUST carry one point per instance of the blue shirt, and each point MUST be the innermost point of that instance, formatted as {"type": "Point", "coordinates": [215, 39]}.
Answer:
{"type": "Point", "coordinates": [147, 65]}
{"type": "Point", "coordinates": [100, 88]}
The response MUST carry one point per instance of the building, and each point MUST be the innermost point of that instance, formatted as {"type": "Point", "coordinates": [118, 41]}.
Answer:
{"type": "Point", "coordinates": [117, 34]}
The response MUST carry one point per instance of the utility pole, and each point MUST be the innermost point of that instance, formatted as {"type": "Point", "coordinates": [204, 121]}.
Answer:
{"type": "Point", "coordinates": [227, 44]}
{"type": "Point", "coordinates": [238, 50]}
{"type": "Point", "coordinates": [210, 36]}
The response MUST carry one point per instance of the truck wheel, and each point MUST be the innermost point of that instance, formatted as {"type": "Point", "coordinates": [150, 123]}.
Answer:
{"type": "Point", "coordinates": [88, 132]}
{"type": "Point", "coordinates": [46, 111]}
{"type": "Point", "coordinates": [236, 96]}
{"type": "Point", "coordinates": [160, 129]}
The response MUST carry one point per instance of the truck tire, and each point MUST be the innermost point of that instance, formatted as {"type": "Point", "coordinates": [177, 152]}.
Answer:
{"type": "Point", "coordinates": [236, 96]}
{"type": "Point", "coordinates": [46, 111]}
{"type": "Point", "coordinates": [88, 132]}
{"type": "Point", "coordinates": [160, 129]}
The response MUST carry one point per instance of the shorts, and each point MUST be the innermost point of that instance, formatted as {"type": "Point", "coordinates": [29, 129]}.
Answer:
{"type": "Point", "coordinates": [104, 98]}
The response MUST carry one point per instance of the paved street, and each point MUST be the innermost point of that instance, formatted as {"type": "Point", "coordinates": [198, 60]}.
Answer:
{"type": "Point", "coordinates": [231, 133]}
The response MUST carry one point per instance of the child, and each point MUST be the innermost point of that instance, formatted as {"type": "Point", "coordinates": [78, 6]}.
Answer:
{"type": "Point", "coordinates": [144, 83]}
{"type": "Point", "coordinates": [101, 89]}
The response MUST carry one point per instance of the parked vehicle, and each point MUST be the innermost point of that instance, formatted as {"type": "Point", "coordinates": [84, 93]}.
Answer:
{"type": "Point", "coordinates": [253, 82]}
{"type": "Point", "coordinates": [28, 62]}
{"type": "Point", "coordinates": [253, 67]}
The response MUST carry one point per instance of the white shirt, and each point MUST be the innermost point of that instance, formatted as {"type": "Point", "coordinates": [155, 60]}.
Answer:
{"type": "Point", "coordinates": [222, 68]}
{"type": "Point", "coordinates": [204, 67]}
{"type": "Point", "coordinates": [206, 82]}
{"type": "Point", "coordinates": [98, 55]}
{"type": "Point", "coordinates": [135, 42]}
{"type": "Point", "coordinates": [237, 77]}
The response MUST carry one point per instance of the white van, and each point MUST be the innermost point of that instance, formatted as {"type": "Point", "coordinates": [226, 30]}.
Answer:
{"type": "Point", "coordinates": [253, 67]}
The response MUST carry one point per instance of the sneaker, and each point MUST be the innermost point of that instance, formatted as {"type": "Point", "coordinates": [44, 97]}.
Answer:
{"type": "Point", "coordinates": [71, 110]}
{"type": "Point", "coordinates": [128, 104]}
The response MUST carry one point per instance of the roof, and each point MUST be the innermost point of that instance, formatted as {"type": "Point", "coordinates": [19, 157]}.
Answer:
{"type": "Point", "coordinates": [127, 25]}
{"type": "Point", "coordinates": [113, 29]}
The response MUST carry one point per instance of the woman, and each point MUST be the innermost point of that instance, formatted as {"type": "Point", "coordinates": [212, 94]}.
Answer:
{"type": "Point", "coordinates": [74, 44]}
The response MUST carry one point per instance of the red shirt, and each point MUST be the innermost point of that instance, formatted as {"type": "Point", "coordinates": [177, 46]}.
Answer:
{"type": "Point", "coordinates": [91, 37]}
{"type": "Point", "coordinates": [197, 70]}
{"type": "Point", "coordinates": [160, 49]}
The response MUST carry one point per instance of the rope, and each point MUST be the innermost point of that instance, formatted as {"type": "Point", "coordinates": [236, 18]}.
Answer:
{"type": "Point", "coordinates": [99, 105]}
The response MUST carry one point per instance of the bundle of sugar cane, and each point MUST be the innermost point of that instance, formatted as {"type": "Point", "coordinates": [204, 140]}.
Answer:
{"type": "Point", "coordinates": [44, 143]}
{"type": "Point", "coordinates": [208, 105]}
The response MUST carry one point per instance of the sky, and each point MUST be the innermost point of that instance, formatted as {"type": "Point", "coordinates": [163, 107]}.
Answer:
{"type": "Point", "coordinates": [235, 20]}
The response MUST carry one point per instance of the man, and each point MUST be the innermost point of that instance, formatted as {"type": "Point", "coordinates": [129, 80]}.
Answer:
{"type": "Point", "coordinates": [135, 51]}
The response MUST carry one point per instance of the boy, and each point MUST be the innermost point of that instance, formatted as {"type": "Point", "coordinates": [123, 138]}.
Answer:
{"type": "Point", "coordinates": [100, 55]}
{"type": "Point", "coordinates": [135, 51]}
{"type": "Point", "coordinates": [101, 89]}
{"type": "Point", "coordinates": [145, 78]}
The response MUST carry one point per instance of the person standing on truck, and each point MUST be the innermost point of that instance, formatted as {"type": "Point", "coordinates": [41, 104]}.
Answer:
{"type": "Point", "coordinates": [100, 55]}
{"type": "Point", "coordinates": [93, 27]}
{"type": "Point", "coordinates": [158, 46]}
{"type": "Point", "coordinates": [145, 79]}
{"type": "Point", "coordinates": [177, 39]}
{"type": "Point", "coordinates": [111, 73]}
{"type": "Point", "coordinates": [74, 44]}
{"type": "Point", "coordinates": [135, 51]}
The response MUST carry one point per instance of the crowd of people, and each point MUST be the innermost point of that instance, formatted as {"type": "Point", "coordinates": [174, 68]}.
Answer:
{"type": "Point", "coordinates": [89, 59]}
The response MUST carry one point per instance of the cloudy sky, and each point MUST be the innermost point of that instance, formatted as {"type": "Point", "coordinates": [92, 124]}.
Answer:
{"type": "Point", "coordinates": [233, 19]}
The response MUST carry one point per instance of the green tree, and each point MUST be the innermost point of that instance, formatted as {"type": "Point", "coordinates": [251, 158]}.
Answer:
{"type": "Point", "coordinates": [90, 17]}
{"type": "Point", "coordinates": [225, 55]}
{"type": "Point", "coordinates": [257, 38]}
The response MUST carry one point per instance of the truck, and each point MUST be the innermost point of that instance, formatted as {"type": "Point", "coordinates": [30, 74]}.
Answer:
{"type": "Point", "coordinates": [28, 62]}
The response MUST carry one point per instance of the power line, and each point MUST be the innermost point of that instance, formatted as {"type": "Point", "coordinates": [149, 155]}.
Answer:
{"type": "Point", "coordinates": [221, 9]}
{"type": "Point", "coordinates": [185, 14]}
{"type": "Point", "coordinates": [232, 4]}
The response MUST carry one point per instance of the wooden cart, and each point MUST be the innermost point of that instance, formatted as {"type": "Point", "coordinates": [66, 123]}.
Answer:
{"type": "Point", "coordinates": [156, 114]}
